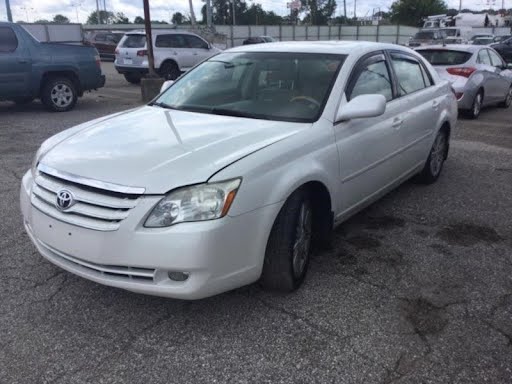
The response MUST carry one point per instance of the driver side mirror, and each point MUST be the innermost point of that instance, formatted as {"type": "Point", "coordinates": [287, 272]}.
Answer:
{"type": "Point", "coordinates": [363, 106]}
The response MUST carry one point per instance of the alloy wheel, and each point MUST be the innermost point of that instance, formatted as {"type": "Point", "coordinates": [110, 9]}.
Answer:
{"type": "Point", "coordinates": [61, 95]}
{"type": "Point", "coordinates": [303, 235]}
{"type": "Point", "coordinates": [437, 154]}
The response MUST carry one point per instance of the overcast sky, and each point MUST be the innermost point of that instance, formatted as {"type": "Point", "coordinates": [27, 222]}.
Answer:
{"type": "Point", "coordinates": [163, 9]}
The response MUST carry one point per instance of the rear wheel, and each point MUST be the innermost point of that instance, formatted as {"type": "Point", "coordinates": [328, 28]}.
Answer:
{"type": "Point", "coordinates": [508, 99]}
{"type": "Point", "coordinates": [169, 71]}
{"type": "Point", "coordinates": [59, 94]}
{"type": "Point", "coordinates": [476, 108]}
{"type": "Point", "coordinates": [434, 165]}
{"type": "Point", "coordinates": [133, 78]}
{"type": "Point", "coordinates": [289, 245]}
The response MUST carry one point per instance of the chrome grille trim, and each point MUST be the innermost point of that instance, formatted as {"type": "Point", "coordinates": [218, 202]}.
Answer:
{"type": "Point", "coordinates": [91, 182]}
{"type": "Point", "coordinates": [100, 210]}
{"type": "Point", "coordinates": [128, 273]}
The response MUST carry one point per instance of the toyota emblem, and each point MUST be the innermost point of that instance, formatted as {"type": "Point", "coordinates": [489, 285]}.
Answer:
{"type": "Point", "coordinates": [65, 199]}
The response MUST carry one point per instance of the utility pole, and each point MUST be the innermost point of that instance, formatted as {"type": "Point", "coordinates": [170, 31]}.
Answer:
{"type": "Point", "coordinates": [209, 13]}
{"type": "Point", "coordinates": [8, 7]}
{"type": "Point", "coordinates": [355, 9]}
{"type": "Point", "coordinates": [98, 11]}
{"type": "Point", "coordinates": [149, 40]}
{"type": "Point", "coordinates": [345, 9]}
{"type": "Point", "coordinates": [233, 12]}
{"type": "Point", "coordinates": [460, 5]}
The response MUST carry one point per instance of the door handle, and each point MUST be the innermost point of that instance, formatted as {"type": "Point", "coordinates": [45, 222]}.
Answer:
{"type": "Point", "coordinates": [397, 122]}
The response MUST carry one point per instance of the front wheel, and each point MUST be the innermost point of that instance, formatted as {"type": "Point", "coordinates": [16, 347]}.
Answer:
{"type": "Point", "coordinates": [289, 245]}
{"type": "Point", "coordinates": [169, 71]}
{"type": "Point", "coordinates": [59, 94]}
{"type": "Point", "coordinates": [434, 165]}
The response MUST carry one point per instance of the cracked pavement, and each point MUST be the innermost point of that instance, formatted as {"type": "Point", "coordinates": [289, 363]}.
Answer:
{"type": "Point", "coordinates": [416, 289]}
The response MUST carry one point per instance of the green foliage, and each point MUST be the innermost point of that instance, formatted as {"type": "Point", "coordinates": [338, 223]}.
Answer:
{"type": "Point", "coordinates": [60, 19]}
{"type": "Point", "coordinates": [179, 18]}
{"type": "Point", "coordinates": [222, 14]}
{"type": "Point", "coordinates": [138, 20]}
{"type": "Point", "coordinates": [411, 12]}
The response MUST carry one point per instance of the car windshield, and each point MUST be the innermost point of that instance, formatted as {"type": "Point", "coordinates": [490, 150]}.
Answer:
{"type": "Point", "coordinates": [424, 36]}
{"type": "Point", "coordinates": [134, 41]}
{"type": "Point", "coordinates": [281, 86]}
{"type": "Point", "coordinates": [450, 32]}
{"type": "Point", "coordinates": [445, 57]}
{"type": "Point", "coordinates": [483, 41]}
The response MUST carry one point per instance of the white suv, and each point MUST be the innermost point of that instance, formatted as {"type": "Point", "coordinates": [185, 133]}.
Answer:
{"type": "Point", "coordinates": [175, 52]}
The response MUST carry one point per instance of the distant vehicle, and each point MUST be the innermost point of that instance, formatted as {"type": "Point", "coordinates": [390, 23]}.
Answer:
{"type": "Point", "coordinates": [105, 42]}
{"type": "Point", "coordinates": [478, 75]}
{"type": "Point", "coordinates": [175, 52]}
{"type": "Point", "coordinates": [499, 39]}
{"type": "Point", "coordinates": [427, 37]}
{"type": "Point", "coordinates": [457, 35]}
{"type": "Point", "coordinates": [259, 40]}
{"type": "Point", "coordinates": [239, 169]}
{"type": "Point", "coordinates": [482, 41]}
{"type": "Point", "coordinates": [482, 36]}
{"type": "Point", "coordinates": [56, 73]}
{"type": "Point", "coordinates": [504, 49]}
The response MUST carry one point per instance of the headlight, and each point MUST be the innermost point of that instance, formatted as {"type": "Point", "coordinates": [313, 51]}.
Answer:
{"type": "Point", "coordinates": [195, 203]}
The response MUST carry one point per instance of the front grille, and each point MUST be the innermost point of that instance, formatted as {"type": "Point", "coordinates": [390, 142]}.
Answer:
{"type": "Point", "coordinates": [95, 208]}
{"type": "Point", "coordinates": [115, 271]}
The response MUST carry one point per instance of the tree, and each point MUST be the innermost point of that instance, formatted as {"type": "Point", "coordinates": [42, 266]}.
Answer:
{"type": "Point", "coordinates": [42, 21]}
{"type": "Point", "coordinates": [60, 19]}
{"type": "Point", "coordinates": [486, 21]}
{"type": "Point", "coordinates": [320, 11]}
{"type": "Point", "coordinates": [138, 20]}
{"type": "Point", "coordinates": [178, 18]}
{"type": "Point", "coordinates": [104, 17]}
{"type": "Point", "coordinates": [412, 12]}
{"type": "Point", "coordinates": [120, 18]}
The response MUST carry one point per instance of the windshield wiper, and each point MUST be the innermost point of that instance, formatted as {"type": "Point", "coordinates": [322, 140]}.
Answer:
{"type": "Point", "coordinates": [229, 65]}
{"type": "Point", "coordinates": [161, 105]}
{"type": "Point", "coordinates": [235, 113]}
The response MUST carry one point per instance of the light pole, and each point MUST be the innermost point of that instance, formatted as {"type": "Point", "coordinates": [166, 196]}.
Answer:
{"type": "Point", "coordinates": [233, 1]}
{"type": "Point", "coordinates": [9, 13]}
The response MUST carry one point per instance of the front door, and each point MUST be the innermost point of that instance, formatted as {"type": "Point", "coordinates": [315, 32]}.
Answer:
{"type": "Point", "coordinates": [15, 65]}
{"type": "Point", "coordinates": [369, 148]}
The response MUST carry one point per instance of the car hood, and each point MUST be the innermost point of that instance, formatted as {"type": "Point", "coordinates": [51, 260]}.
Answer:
{"type": "Point", "coordinates": [159, 150]}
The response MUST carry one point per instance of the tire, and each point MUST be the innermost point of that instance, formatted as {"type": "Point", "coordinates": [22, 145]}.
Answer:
{"type": "Point", "coordinates": [508, 99]}
{"type": "Point", "coordinates": [132, 78]}
{"type": "Point", "coordinates": [289, 245]}
{"type": "Point", "coordinates": [169, 70]}
{"type": "Point", "coordinates": [476, 107]}
{"type": "Point", "coordinates": [59, 94]}
{"type": "Point", "coordinates": [434, 165]}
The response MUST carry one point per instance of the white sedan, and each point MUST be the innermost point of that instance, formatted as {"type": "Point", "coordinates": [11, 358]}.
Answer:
{"type": "Point", "coordinates": [239, 168]}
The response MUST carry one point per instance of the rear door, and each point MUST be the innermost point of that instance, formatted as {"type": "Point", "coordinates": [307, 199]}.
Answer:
{"type": "Point", "coordinates": [131, 49]}
{"type": "Point", "coordinates": [15, 65]}
{"type": "Point", "coordinates": [503, 74]}
{"type": "Point", "coordinates": [173, 46]}
{"type": "Point", "coordinates": [421, 103]}
{"type": "Point", "coordinates": [491, 78]}
{"type": "Point", "coordinates": [370, 148]}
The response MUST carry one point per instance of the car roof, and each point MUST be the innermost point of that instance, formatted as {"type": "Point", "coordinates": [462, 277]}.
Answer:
{"type": "Point", "coordinates": [336, 47]}
{"type": "Point", "coordinates": [161, 31]}
{"type": "Point", "coordinates": [454, 47]}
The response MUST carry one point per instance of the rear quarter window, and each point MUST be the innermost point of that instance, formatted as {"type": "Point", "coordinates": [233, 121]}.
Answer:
{"type": "Point", "coordinates": [8, 40]}
{"type": "Point", "coordinates": [134, 41]}
{"type": "Point", "coordinates": [445, 57]}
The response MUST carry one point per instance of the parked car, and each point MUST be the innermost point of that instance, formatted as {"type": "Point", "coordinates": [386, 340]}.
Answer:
{"type": "Point", "coordinates": [56, 73]}
{"type": "Point", "coordinates": [504, 49]}
{"type": "Point", "coordinates": [258, 40]}
{"type": "Point", "coordinates": [499, 39]}
{"type": "Point", "coordinates": [238, 168]}
{"type": "Point", "coordinates": [105, 42]}
{"type": "Point", "coordinates": [174, 51]}
{"type": "Point", "coordinates": [481, 36]}
{"type": "Point", "coordinates": [427, 37]}
{"type": "Point", "coordinates": [482, 40]}
{"type": "Point", "coordinates": [478, 74]}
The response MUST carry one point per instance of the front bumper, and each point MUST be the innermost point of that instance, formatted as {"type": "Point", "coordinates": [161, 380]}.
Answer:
{"type": "Point", "coordinates": [218, 255]}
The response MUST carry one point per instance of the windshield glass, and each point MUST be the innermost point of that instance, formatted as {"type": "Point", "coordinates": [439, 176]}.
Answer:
{"type": "Point", "coordinates": [445, 57]}
{"type": "Point", "coordinates": [261, 85]}
{"type": "Point", "coordinates": [482, 41]}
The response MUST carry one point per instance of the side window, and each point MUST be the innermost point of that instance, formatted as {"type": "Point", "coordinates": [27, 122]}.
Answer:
{"type": "Point", "coordinates": [483, 57]}
{"type": "Point", "coordinates": [100, 37]}
{"type": "Point", "coordinates": [170, 41]}
{"type": "Point", "coordinates": [410, 75]}
{"type": "Point", "coordinates": [426, 77]}
{"type": "Point", "coordinates": [195, 42]}
{"type": "Point", "coordinates": [8, 40]}
{"type": "Point", "coordinates": [373, 79]}
{"type": "Point", "coordinates": [495, 59]}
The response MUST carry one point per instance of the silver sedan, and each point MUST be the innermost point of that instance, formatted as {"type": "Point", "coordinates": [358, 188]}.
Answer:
{"type": "Point", "coordinates": [478, 74]}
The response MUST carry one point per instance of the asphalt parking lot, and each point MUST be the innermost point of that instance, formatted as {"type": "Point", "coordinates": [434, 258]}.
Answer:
{"type": "Point", "coordinates": [417, 289]}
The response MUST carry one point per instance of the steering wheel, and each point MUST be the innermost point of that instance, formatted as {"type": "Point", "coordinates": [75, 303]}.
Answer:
{"type": "Point", "coordinates": [312, 101]}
